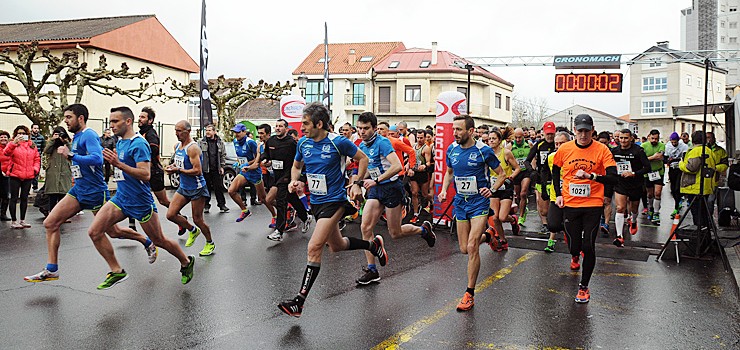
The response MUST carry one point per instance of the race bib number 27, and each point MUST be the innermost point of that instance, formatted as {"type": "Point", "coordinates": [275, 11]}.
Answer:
{"type": "Point", "coordinates": [466, 185]}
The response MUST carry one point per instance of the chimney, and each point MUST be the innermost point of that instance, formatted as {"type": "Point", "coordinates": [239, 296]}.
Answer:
{"type": "Point", "coordinates": [434, 53]}
{"type": "Point", "coordinates": [663, 44]}
{"type": "Point", "coordinates": [351, 59]}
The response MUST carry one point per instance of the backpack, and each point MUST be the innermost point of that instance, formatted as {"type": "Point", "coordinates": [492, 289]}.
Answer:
{"type": "Point", "coordinates": [733, 177]}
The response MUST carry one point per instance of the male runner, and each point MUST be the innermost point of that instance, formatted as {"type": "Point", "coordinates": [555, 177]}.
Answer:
{"type": "Point", "coordinates": [604, 137]}
{"type": "Point", "coordinates": [674, 152]}
{"type": "Point", "coordinates": [384, 190]}
{"type": "Point", "coordinates": [539, 153]}
{"type": "Point", "coordinates": [632, 165]}
{"type": "Point", "coordinates": [249, 162]}
{"type": "Point", "coordinates": [192, 189]}
{"type": "Point", "coordinates": [554, 212]}
{"type": "Point", "coordinates": [263, 133]}
{"type": "Point", "coordinates": [89, 192]}
{"type": "Point", "coordinates": [280, 150]}
{"type": "Point", "coordinates": [654, 149]}
{"type": "Point", "coordinates": [132, 199]}
{"type": "Point", "coordinates": [419, 180]}
{"type": "Point", "coordinates": [322, 153]}
{"type": "Point", "coordinates": [520, 149]}
{"type": "Point", "coordinates": [467, 164]}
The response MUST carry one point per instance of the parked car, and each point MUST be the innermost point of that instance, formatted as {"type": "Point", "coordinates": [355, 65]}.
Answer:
{"type": "Point", "coordinates": [229, 170]}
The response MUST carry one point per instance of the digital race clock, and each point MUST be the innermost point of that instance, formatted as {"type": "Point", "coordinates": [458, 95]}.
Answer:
{"type": "Point", "coordinates": [588, 82]}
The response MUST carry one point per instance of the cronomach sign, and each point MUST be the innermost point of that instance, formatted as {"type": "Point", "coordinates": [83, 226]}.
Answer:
{"type": "Point", "coordinates": [587, 61]}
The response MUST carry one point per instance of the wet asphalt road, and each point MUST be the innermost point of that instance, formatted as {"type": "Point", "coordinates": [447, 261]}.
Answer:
{"type": "Point", "coordinates": [524, 299]}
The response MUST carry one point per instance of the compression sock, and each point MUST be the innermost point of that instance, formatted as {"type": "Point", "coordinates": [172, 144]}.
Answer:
{"type": "Point", "coordinates": [312, 271]}
{"type": "Point", "coordinates": [471, 291]}
{"type": "Point", "coordinates": [619, 222]}
{"type": "Point", "coordinates": [356, 243]}
{"type": "Point", "coordinates": [656, 205]}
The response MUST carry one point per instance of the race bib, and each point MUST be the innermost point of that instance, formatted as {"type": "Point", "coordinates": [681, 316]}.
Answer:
{"type": "Point", "coordinates": [374, 173]}
{"type": "Point", "coordinates": [623, 167]}
{"type": "Point", "coordinates": [543, 157]}
{"type": "Point", "coordinates": [118, 175]}
{"type": "Point", "coordinates": [654, 176]}
{"type": "Point", "coordinates": [317, 184]}
{"type": "Point", "coordinates": [76, 173]}
{"type": "Point", "coordinates": [179, 161]}
{"type": "Point", "coordinates": [242, 160]}
{"type": "Point", "coordinates": [580, 190]}
{"type": "Point", "coordinates": [277, 164]}
{"type": "Point", "coordinates": [493, 181]}
{"type": "Point", "coordinates": [521, 162]}
{"type": "Point", "coordinates": [466, 185]}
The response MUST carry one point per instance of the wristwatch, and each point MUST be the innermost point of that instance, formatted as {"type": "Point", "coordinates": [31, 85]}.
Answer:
{"type": "Point", "coordinates": [70, 156]}
{"type": "Point", "coordinates": [360, 183]}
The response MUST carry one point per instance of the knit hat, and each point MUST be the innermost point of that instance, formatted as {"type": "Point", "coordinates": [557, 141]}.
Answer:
{"type": "Point", "coordinates": [674, 136]}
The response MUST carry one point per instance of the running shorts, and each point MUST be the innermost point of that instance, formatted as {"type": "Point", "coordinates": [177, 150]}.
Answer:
{"type": "Point", "coordinates": [141, 213]}
{"type": "Point", "coordinates": [194, 194]}
{"type": "Point", "coordinates": [91, 201]}
{"type": "Point", "coordinates": [471, 207]}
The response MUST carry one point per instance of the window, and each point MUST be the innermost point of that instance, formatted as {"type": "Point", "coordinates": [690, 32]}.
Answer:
{"type": "Point", "coordinates": [315, 91]}
{"type": "Point", "coordinates": [358, 94]}
{"type": "Point", "coordinates": [733, 25]}
{"type": "Point", "coordinates": [366, 58]}
{"type": "Point", "coordinates": [722, 39]}
{"type": "Point", "coordinates": [733, 8]}
{"type": "Point", "coordinates": [722, 24]}
{"type": "Point", "coordinates": [656, 64]}
{"type": "Point", "coordinates": [650, 84]}
{"type": "Point", "coordinates": [733, 40]}
{"type": "Point", "coordinates": [463, 90]}
{"type": "Point", "coordinates": [425, 64]}
{"type": "Point", "coordinates": [698, 82]}
{"type": "Point", "coordinates": [508, 103]}
{"type": "Point", "coordinates": [688, 79]}
{"type": "Point", "coordinates": [653, 107]}
{"type": "Point", "coordinates": [394, 64]}
{"type": "Point", "coordinates": [413, 93]}
{"type": "Point", "coordinates": [321, 60]}
{"type": "Point", "coordinates": [497, 100]}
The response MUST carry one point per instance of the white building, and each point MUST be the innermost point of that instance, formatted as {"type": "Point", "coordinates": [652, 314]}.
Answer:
{"type": "Point", "coordinates": [602, 121]}
{"type": "Point", "coordinates": [713, 25]}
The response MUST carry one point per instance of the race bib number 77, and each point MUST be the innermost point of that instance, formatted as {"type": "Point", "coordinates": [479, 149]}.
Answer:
{"type": "Point", "coordinates": [317, 184]}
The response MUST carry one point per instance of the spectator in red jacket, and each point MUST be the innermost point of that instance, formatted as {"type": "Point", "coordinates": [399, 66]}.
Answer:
{"type": "Point", "coordinates": [25, 164]}
{"type": "Point", "coordinates": [4, 165]}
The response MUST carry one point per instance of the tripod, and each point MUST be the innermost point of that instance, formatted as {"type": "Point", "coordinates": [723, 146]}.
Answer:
{"type": "Point", "coordinates": [450, 219]}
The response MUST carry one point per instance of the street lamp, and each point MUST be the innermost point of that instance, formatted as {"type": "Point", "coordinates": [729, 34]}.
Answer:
{"type": "Point", "coordinates": [302, 81]}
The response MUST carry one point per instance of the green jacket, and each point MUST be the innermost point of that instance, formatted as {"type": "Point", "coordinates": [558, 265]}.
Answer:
{"type": "Point", "coordinates": [691, 176]}
{"type": "Point", "coordinates": [58, 172]}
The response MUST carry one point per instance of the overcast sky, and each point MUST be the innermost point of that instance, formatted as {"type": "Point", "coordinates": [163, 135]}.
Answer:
{"type": "Point", "coordinates": [267, 40]}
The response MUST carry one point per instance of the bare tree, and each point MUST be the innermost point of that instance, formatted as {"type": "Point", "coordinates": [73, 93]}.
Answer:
{"type": "Point", "coordinates": [67, 75]}
{"type": "Point", "coordinates": [529, 111]}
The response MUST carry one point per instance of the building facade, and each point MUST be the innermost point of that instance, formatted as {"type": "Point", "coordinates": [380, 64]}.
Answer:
{"type": "Point", "coordinates": [713, 25]}
{"type": "Point", "coordinates": [602, 121]}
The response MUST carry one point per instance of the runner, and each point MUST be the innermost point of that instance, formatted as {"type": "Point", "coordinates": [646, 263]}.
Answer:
{"type": "Point", "coordinates": [467, 164]}
{"type": "Point", "coordinates": [539, 153]}
{"type": "Point", "coordinates": [554, 212]}
{"type": "Point", "coordinates": [674, 152]}
{"type": "Point", "coordinates": [604, 138]}
{"type": "Point", "coordinates": [322, 152]}
{"type": "Point", "coordinates": [280, 150]}
{"type": "Point", "coordinates": [654, 149]}
{"type": "Point", "coordinates": [502, 198]}
{"type": "Point", "coordinates": [419, 180]}
{"type": "Point", "coordinates": [585, 165]}
{"type": "Point", "coordinates": [632, 165]}
{"type": "Point", "coordinates": [192, 189]}
{"type": "Point", "coordinates": [520, 149]}
{"type": "Point", "coordinates": [264, 131]}
{"type": "Point", "coordinates": [89, 192]}
{"type": "Point", "coordinates": [384, 193]}
{"type": "Point", "coordinates": [132, 199]}
{"type": "Point", "coordinates": [249, 163]}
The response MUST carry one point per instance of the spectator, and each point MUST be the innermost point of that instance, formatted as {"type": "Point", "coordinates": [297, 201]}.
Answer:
{"type": "Point", "coordinates": [685, 139]}
{"type": "Point", "coordinates": [40, 143]}
{"type": "Point", "coordinates": [693, 174]}
{"type": "Point", "coordinates": [24, 166]}
{"type": "Point", "coordinates": [58, 171]}
{"type": "Point", "coordinates": [214, 159]}
{"type": "Point", "coordinates": [109, 141]}
{"type": "Point", "coordinates": [4, 165]}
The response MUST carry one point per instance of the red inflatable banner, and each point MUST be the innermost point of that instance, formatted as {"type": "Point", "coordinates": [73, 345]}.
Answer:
{"type": "Point", "coordinates": [291, 109]}
{"type": "Point", "coordinates": [449, 105]}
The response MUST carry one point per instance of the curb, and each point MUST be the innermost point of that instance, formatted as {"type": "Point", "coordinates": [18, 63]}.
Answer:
{"type": "Point", "coordinates": [733, 256]}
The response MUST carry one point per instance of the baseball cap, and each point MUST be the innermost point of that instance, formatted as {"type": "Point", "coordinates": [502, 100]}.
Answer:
{"type": "Point", "coordinates": [239, 128]}
{"type": "Point", "coordinates": [394, 128]}
{"type": "Point", "coordinates": [583, 121]}
{"type": "Point", "coordinates": [674, 136]}
{"type": "Point", "coordinates": [549, 128]}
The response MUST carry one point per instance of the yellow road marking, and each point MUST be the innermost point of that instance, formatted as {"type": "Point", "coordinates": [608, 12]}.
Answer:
{"type": "Point", "coordinates": [406, 334]}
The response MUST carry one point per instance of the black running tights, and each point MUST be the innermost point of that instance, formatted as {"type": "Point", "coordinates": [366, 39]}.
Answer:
{"type": "Point", "coordinates": [581, 226]}
{"type": "Point", "coordinates": [24, 187]}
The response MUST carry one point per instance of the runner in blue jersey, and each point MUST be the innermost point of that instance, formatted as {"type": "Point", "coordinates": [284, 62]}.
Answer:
{"type": "Point", "coordinates": [192, 189]}
{"type": "Point", "coordinates": [384, 192]}
{"type": "Point", "coordinates": [468, 164]}
{"type": "Point", "coordinates": [323, 152]}
{"type": "Point", "coordinates": [249, 164]}
{"type": "Point", "coordinates": [89, 192]}
{"type": "Point", "coordinates": [132, 199]}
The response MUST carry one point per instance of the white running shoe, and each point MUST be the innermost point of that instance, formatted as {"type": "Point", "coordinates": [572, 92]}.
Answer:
{"type": "Point", "coordinates": [306, 225]}
{"type": "Point", "coordinates": [151, 252]}
{"type": "Point", "coordinates": [44, 275]}
{"type": "Point", "coordinates": [276, 236]}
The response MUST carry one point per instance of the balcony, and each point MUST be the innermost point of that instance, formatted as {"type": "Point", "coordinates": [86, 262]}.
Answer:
{"type": "Point", "coordinates": [354, 100]}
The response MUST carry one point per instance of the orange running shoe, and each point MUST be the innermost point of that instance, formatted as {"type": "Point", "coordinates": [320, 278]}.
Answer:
{"type": "Point", "coordinates": [504, 245]}
{"type": "Point", "coordinates": [583, 295]}
{"type": "Point", "coordinates": [493, 243]}
{"type": "Point", "coordinates": [574, 264]}
{"type": "Point", "coordinates": [633, 227]}
{"type": "Point", "coordinates": [466, 303]}
{"type": "Point", "coordinates": [414, 219]}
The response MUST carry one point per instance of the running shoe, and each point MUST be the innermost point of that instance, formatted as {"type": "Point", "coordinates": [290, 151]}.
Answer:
{"type": "Point", "coordinates": [644, 211]}
{"type": "Point", "coordinates": [245, 214]}
{"type": "Point", "coordinates": [292, 307]}
{"type": "Point", "coordinates": [429, 236]}
{"type": "Point", "coordinates": [414, 219]}
{"type": "Point", "coordinates": [207, 209]}
{"type": "Point", "coordinates": [544, 230]}
{"type": "Point", "coordinates": [272, 224]}
{"type": "Point", "coordinates": [633, 226]}
{"type": "Point", "coordinates": [515, 229]}
{"type": "Point", "coordinates": [650, 216]}
{"type": "Point", "coordinates": [306, 225]}
{"type": "Point", "coordinates": [605, 229]}
{"type": "Point", "coordinates": [187, 271]}
{"type": "Point", "coordinates": [656, 220]}
{"type": "Point", "coordinates": [550, 246]}
{"type": "Point", "coordinates": [342, 224]}
{"type": "Point", "coordinates": [291, 226]}
{"type": "Point", "coordinates": [43, 276]}
{"type": "Point", "coordinates": [208, 249]}
{"type": "Point", "coordinates": [674, 213]}
{"type": "Point", "coordinates": [111, 279]}
{"type": "Point", "coordinates": [180, 230]}
{"type": "Point", "coordinates": [379, 250]}
{"type": "Point", "coordinates": [276, 236]}
{"type": "Point", "coordinates": [25, 224]}
{"type": "Point", "coordinates": [619, 242]}
{"type": "Point", "coordinates": [151, 252]}
{"type": "Point", "coordinates": [466, 303]}
{"type": "Point", "coordinates": [522, 219]}
{"type": "Point", "coordinates": [428, 208]}
{"type": "Point", "coordinates": [224, 209]}
{"type": "Point", "coordinates": [15, 225]}
{"type": "Point", "coordinates": [503, 245]}
{"type": "Point", "coordinates": [368, 276]}
{"type": "Point", "coordinates": [575, 265]}
{"type": "Point", "coordinates": [493, 242]}
{"type": "Point", "coordinates": [583, 295]}
{"type": "Point", "coordinates": [192, 236]}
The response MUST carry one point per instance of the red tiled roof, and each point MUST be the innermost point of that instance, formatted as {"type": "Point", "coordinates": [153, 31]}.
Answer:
{"type": "Point", "coordinates": [409, 61]}
{"type": "Point", "coordinates": [625, 117]}
{"type": "Point", "coordinates": [339, 57]}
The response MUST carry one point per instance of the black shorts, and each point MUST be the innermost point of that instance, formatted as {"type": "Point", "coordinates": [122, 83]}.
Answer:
{"type": "Point", "coordinates": [608, 191]}
{"type": "Point", "coordinates": [633, 193]}
{"type": "Point", "coordinates": [420, 177]}
{"type": "Point", "coordinates": [519, 177]}
{"type": "Point", "coordinates": [505, 192]}
{"type": "Point", "coordinates": [651, 184]}
{"type": "Point", "coordinates": [555, 218]}
{"type": "Point", "coordinates": [269, 181]}
{"type": "Point", "coordinates": [389, 194]}
{"type": "Point", "coordinates": [327, 210]}
{"type": "Point", "coordinates": [156, 181]}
